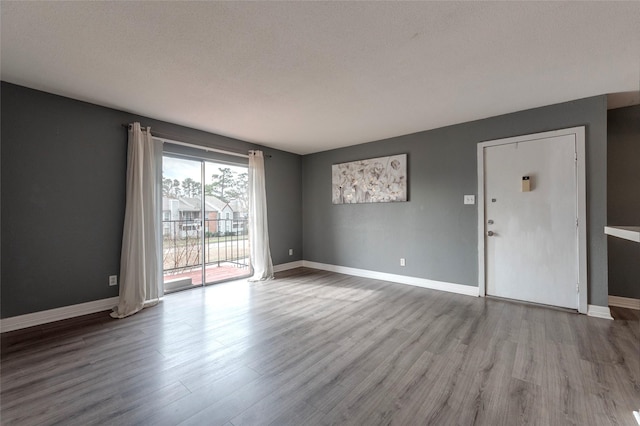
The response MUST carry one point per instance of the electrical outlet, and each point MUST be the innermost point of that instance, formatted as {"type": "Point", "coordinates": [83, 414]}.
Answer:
{"type": "Point", "coordinates": [290, 252]}
{"type": "Point", "coordinates": [402, 262]}
{"type": "Point", "coordinates": [113, 280]}
{"type": "Point", "coordinates": [469, 199]}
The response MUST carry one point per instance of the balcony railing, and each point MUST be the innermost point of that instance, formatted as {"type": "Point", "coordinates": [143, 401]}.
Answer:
{"type": "Point", "coordinates": [225, 241]}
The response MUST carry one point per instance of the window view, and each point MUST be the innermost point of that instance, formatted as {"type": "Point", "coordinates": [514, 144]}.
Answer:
{"type": "Point", "coordinates": [204, 222]}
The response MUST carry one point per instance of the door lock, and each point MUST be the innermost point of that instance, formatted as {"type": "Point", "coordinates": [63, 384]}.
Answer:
{"type": "Point", "coordinates": [490, 222]}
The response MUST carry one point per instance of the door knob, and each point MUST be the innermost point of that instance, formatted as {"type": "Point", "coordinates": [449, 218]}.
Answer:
{"type": "Point", "coordinates": [490, 233]}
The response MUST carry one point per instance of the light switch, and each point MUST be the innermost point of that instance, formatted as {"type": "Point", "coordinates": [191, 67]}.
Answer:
{"type": "Point", "coordinates": [469, 199]}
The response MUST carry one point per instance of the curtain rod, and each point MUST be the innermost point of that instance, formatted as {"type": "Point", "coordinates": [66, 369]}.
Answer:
{"type": "Point", "coordinates": [158, 135]}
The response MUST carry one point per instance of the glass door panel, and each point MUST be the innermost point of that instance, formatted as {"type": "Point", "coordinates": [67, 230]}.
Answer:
{"type": "Point", "coordinates": [226, 239]}
{"type": "Point", "coordinates": [204, 238]}
{"type": "Point", "coordinates": [182, 242]}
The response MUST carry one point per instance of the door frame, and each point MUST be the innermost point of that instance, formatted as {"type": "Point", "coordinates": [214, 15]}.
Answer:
{"type": "Point", "coordinates": [579, 135]}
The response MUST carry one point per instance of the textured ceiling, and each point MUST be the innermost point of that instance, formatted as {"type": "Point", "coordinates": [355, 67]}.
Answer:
{"type": "Point", "coordinates": [311, 76]}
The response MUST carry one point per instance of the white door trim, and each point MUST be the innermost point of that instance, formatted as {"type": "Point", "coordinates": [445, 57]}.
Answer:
{"type": "Point", "coordinates": [579, 133]}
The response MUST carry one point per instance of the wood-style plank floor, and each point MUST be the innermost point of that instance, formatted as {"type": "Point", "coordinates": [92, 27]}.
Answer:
{"type": "Point", "coordinates": [319, 348]}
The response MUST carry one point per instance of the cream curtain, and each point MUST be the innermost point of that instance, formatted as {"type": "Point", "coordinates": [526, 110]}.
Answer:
{"type": "Point", "coordinates": [260, 254]}
{"type": "Point", "coordinates": [140, 261]}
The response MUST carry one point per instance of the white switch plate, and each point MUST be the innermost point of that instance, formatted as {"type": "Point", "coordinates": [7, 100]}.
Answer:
{"type": "Point", "coordinates": [290, 252]}
{"type": "Point", "coordinates": [402, 262]}
{"type": "Point", "coordinates": [469, 199]}
{"type": "Point", "coordinates": [113, 280]}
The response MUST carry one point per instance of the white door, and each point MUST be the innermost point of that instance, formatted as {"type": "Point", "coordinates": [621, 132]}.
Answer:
{"type": "Point", "coordinates": [531, 237]}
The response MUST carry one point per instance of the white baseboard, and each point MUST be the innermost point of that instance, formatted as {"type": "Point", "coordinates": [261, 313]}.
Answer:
{"type": "Point", "coordinates": [57, 314]}
{"type": "Point", "coordinates": [599, 312]}
{"type": "Point", "coordinates": [51, 315]}
{"type": "Point", "coordinates": [624, 302]}
{"type": "Point", "coordinates": [286, 266]}
{"type": "Point", "coordinates": [401, 279]}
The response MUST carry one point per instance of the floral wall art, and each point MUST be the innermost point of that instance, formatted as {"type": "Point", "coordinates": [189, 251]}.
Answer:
{"type": "Point", "coordinates": [376, 180]}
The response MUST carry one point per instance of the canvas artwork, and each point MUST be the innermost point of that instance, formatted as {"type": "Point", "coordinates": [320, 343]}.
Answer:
{"type": "Point", "coordinates": [376, 180]}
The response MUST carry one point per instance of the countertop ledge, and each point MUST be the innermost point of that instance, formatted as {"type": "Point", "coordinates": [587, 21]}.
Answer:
{"type": "Point", "coordinates": [631, 233]}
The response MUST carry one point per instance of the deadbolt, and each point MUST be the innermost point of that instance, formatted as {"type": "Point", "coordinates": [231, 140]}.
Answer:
{"type": "Point", "coordinates": [490, 222]}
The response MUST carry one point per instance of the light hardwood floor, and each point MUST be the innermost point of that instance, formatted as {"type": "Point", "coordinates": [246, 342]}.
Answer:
{"type": "Point", "coordinates": [319, 348]}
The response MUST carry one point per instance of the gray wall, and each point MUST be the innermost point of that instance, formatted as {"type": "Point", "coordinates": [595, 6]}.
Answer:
{"type": "Point", "coordinates": [434, 231]}
{"type": "Point", "coordinates": [623, 198]}
{"type": "Point", "coordinates": [62, 200]}
{"type": "Point", "coordinates": [63, 189]}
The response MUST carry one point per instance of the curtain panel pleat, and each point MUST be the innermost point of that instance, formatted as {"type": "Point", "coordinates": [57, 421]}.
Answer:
{"type": "Point", "coordinates": [140, 261]}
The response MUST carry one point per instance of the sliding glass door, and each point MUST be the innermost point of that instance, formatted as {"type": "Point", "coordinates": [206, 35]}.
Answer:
{"type": "Point", "coordinates": [204, 222]}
